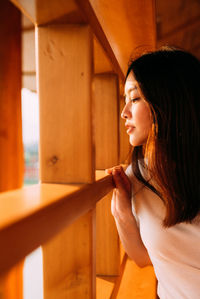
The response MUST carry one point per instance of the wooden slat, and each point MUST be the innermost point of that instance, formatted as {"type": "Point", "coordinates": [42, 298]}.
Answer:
{"type": "Point", "coordinates": [105, 95]}
{"type": "Point", "coordinates": [41, 211]}
{"type": "Point", "coordinates": [107, 251]}
{"type": "Point", "coordinates": [125, 147]}
{"type": "Point", "coordinates": [65, 61]}
{"type": "Point", "coordinates": [11, 150]}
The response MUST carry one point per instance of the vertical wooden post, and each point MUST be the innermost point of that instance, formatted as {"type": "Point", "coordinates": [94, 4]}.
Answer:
{"type": "Point", "coordinates": [125, 147]}
{"type": "Point", "coordinates": [66, 151]}
{"type": "Point", "coordinates": [105, 95]}
{"type": "Point", "coordinates": [11, 149]}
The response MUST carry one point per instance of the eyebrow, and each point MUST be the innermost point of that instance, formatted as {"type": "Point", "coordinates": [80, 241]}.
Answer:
{"type": "Point", "coordinates": [131, 89]}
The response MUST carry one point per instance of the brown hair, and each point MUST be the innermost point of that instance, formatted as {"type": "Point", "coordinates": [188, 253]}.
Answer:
{"type": "Point", "coordinates": [170, 82]}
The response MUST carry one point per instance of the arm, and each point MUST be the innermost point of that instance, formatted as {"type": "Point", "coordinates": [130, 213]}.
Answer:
{"type": "Point", "coordinates": [125, 221]}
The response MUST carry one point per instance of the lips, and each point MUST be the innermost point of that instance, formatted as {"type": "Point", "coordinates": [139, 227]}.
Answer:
{"type": "Point", "coordinates": [130, 128]}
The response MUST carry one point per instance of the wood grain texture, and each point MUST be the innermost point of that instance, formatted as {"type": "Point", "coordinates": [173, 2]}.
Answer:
{"type": "Point", "coordinates": [11, 149]}
{"type": "Point", "coordinates": [105, 96]}
{"type": "Point", "coordinates": [107, 240]}
{"type": "Point", "coordinates": [39, 212]}
{"type": "Point", "coordinates": [125, 148]}
{"type": "Point", "coordinates": [64, 86]}
{"type": "Point", "coordinates": [127, 25]}
{"type": "Point", "coordinates": [65, 69]}
{"type": "Point", "coordinates": [70, 275]}
{"type": "Point", "coordinates": [92, 19]}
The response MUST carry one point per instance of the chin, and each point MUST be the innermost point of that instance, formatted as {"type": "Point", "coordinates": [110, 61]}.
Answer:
{"type": "Point", "coordinates": [137, 142]}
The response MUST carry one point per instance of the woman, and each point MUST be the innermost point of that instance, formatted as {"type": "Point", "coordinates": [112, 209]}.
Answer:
{"type": "Point", "coordinates": [156, 202]}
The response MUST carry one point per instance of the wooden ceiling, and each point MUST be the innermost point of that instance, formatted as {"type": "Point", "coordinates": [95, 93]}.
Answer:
{"type": "Point", "coordinates": [121, 27]}
{"type": "Point", "coordinates": [178, 24]}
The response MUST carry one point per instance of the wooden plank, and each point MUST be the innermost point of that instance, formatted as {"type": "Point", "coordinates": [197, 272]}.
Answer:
{"type": "Point", "coordinates": [125, 148]}
{"type": "Point", "coordinates": [39, 212]}
{"type": "Point", "coordinates": [119, 278]}
{"type": "Point", "coordinates": [105, 95]}
{"type": "Point", "coordinates": [65, 60]}
{"type": "Point", "coordinates": [11, 150]}
{"type": "Point", "coordinates": [107, 251]}
{"type": "Point", "coordinates": [45, 11]}
{"type": "Point", "coordinates": [63, 74]}
{"type": "Point", "coordinates": [136, 282]}
{"type": "Point", "coordinates": [92, 19]}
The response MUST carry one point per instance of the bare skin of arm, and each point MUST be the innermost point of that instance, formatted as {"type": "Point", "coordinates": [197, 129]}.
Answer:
{"type": "Point", "coordinates": [125, 221]}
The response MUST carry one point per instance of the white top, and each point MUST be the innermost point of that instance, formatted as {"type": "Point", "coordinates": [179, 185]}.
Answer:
{"type": "Point", "coordinates": [174, 251]}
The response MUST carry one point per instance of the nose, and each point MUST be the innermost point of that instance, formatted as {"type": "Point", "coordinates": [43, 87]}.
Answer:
{"type": "Point", "coordinates": [125, 112]}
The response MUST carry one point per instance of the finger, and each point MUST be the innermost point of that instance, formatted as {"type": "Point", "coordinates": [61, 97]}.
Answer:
{"type": "Point", "coordinates": [127, 184]}
{"type": "Point", "coordinates": [113, 202]}
{"type": "Point", "coordinates": [108, 171]}
{"type": "Point", "coordinates": [119, 182]}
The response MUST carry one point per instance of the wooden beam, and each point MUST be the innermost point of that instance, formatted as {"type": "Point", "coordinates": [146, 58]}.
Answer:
{"type": "Point", "coordinates": [45, 11]}
{"type": "Point", "coordinates": [65, 68]}
{"type": "Point", "coordinates": [39, 212]}
{"type": "Point", "coordinates": [93, 20]}
{"type": "Point", "coordinates": [11, 149]}
{"type": "Point", "coordinates": [128, 26]}
{"type": "Point", "coordinates": [105, 96]}
{"type": "Point", "coordinates": [65, 103]}
{"type": "Point", "coordinates": [125, 148]}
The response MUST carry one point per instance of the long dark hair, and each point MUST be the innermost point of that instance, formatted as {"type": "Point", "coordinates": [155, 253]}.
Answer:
{"type": "Point", "coordinates": [170, 82]}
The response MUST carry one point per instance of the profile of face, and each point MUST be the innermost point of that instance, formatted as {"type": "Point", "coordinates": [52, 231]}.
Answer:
{"type": "Point", "coordinates": [136, 112]}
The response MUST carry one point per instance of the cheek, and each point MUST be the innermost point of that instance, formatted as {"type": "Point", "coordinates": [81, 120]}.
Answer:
{"type": "Point", "coordinates": [142, 115]}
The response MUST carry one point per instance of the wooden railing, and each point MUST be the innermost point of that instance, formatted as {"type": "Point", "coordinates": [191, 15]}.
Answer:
{"type": "Point", "coordinates": [81, 60]}
{"type": "Point", "coordinates": [32, 215]}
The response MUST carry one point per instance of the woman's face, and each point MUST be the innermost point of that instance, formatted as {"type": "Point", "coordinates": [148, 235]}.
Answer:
{"type": "Point", "coordinates": [136, 112]}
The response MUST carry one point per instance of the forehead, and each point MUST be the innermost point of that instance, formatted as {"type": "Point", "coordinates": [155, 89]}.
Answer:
{"type": "Point", "coordinates": [130, 84]}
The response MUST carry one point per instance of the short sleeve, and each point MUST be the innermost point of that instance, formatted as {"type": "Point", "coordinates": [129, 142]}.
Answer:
{"type": "Point", "coordinates": [130, 175]}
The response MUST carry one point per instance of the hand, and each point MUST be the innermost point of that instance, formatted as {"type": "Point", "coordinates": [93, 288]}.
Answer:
{"type": "Point", "coordinates": [121, 199]}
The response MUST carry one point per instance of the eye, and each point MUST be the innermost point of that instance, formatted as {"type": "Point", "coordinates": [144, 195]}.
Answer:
{"type": "Point", "coordinates": [135, 99]}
